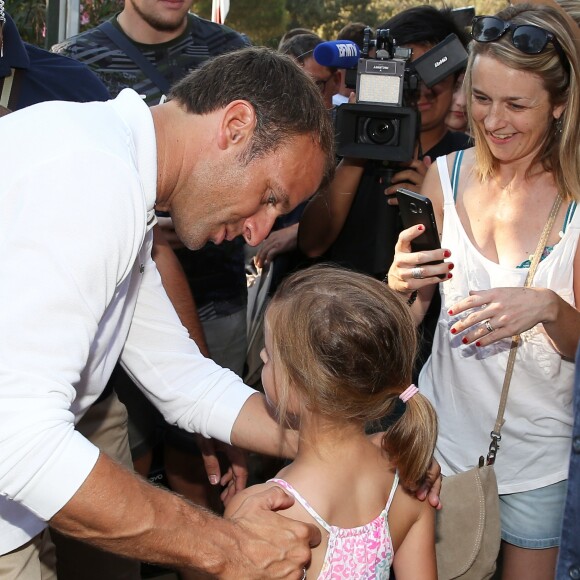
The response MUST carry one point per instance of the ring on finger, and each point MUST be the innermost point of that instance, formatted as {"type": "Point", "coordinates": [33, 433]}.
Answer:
{"type": "Point", "coordinates": [417, 273]}
{"type": "Point", "coordinates": [488, 325]}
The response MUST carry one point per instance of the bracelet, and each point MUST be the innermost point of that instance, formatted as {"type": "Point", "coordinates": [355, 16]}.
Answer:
{"type": "Point", "coordinates": [412, 298]}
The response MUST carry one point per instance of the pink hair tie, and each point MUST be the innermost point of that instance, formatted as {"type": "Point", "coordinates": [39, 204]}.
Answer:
{"type": "Point", "coordinates": [408, 393]}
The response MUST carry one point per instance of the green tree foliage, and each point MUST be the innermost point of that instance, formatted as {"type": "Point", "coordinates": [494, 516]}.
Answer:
{"type": "Point", "coordinates": [263, 22]}
{"type": "Point", "coordinates": [306, 13]}
{"type": "Point", "coordinates": [29, 17]}
{"type": "Point", "coordinates": [341, 12]}
{"type": "Point", "coordinates": [94, 12]}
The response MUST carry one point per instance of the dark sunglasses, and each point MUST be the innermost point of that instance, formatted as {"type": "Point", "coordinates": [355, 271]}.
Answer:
{"type": "Point", "coordinates": [527, 38]}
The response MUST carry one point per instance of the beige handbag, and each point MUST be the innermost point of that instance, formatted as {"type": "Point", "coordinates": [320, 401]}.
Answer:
{"type": "Point", "coordinates": [468, 528]}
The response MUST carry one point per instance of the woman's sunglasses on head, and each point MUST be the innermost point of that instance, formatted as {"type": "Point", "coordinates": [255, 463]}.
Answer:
{"type": "Point", "coordinates": [527, 38]}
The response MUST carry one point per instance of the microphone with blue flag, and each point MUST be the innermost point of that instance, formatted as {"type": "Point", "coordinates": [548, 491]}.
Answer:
{"type": "Point", "coordinates": [337, 53]}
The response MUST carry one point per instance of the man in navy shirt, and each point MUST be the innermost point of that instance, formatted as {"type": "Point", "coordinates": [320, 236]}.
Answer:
{"type": "Point", "coordinates": [36, 75]}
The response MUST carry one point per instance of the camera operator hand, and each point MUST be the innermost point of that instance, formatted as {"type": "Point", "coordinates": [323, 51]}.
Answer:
{"type": "Point", "coordinates": [411, 177]}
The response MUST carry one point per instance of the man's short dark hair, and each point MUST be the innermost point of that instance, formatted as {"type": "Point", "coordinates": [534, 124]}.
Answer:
{"type": "Point", "coordinates": [293, 32]}
{"type": "Point", "coordinates": [423, 25]}
{"type": "Point", "coordinates": [300, 46]}
{"type": "Point", "coordinates": [354, 31]}
{"type": "Point", "coordinates": [286, 101]}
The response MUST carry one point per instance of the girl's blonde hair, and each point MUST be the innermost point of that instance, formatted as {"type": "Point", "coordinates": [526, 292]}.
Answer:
{"type": "Point", "coordinates": [560, 151]}
{"type": "Point", "coordinates": [346, 344]}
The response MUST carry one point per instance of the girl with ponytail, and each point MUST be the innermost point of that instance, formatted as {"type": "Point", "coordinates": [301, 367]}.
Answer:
{"type": "Point", "coordinates": [338, 356]}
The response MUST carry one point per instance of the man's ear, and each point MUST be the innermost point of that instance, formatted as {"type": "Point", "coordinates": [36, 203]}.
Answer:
{"type": "Point", "coordinates": [237, 124]}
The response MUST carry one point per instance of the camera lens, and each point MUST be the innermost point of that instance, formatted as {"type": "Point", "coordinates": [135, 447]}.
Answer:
{"type": "Point", "coordinates": [380, 131]}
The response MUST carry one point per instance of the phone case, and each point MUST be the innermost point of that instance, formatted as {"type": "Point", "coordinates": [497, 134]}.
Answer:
{"type": "Point", "coordinates": [417, 209]}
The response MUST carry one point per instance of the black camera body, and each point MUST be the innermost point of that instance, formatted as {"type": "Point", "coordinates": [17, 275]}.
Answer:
{"type": "Point", "coordinates": [385, 133]}
{"type": "Point", "coordinates": [384, 122]}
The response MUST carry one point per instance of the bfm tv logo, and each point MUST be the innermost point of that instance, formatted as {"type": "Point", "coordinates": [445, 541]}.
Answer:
{"type": "Point", "coordinates": [345, 50]}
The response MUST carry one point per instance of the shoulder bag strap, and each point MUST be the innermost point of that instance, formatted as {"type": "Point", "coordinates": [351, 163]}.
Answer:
{"type": "Point", "coordinates": [135, 55]}
{"type": "Point", "coordinates": [496, 433]}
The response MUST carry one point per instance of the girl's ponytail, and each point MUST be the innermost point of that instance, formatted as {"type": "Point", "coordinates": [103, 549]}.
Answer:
{"type": "Point", "coordinates": [410, 440]}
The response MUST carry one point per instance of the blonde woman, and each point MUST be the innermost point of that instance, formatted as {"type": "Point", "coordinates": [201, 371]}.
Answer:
{"type": "Point", "coordinates": [522, 88]}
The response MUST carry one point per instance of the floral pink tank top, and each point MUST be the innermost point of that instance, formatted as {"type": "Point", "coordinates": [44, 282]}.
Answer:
{"type": "Point", "coordinates": [364, 553]}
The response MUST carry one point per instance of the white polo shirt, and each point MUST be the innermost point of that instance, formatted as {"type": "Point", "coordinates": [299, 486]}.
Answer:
{"type": "Point", "coordinates": [78, 289]}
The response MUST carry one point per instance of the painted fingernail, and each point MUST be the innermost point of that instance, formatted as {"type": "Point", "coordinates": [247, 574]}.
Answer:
{"type": "Point", "coordinates": [464, 340]}
{"type": "Point", "coordinates": [420, 227]}
{"type": "Point", "coordinates": [453, 331]}
{"type": "Point", "coordinates": [451, 266]}
{"type": "Point", "coordinates": [446, 253]}
{"type": "Point", "coordinates": [450, 312]}
{"type": "Point", "coordinates": [214, 479]}
{"type": "Point", "coordinates": [478, 343]}
{"type": "Point", "coordinates": [449, 276]}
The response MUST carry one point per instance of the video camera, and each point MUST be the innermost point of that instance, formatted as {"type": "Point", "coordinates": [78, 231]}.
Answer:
{"type": "Point", "coordinates": [384, 123]}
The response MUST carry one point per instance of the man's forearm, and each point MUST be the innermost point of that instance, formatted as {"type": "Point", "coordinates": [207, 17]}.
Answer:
{"type": "Point", "coordinates": [122, 513]}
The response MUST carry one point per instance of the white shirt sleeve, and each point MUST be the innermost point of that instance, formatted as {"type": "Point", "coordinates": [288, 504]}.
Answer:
{"type": "Point", "coordinates": [70, 236]}
{"type": "Point", "coordinates": [61, 254]}
{"type": "Point", "coordinates": [190, 390]}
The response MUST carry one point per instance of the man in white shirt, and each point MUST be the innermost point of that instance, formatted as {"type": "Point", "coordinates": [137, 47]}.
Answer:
{"type": "Point", "coordinates": [242, 141]}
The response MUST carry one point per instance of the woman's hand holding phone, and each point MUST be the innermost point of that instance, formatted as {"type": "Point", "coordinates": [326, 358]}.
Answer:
{"type": "Point", "coordinates": [412, 271]}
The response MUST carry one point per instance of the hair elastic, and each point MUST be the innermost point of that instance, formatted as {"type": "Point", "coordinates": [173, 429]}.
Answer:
{"type": "Point", "coordinates": [408, 393]}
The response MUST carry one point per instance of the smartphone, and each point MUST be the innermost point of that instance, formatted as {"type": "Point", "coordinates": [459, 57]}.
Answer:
{"type": "Point", "coordinates": [417, 209]}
